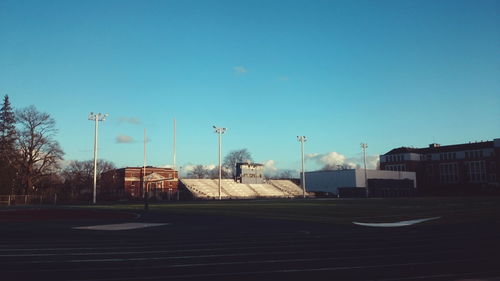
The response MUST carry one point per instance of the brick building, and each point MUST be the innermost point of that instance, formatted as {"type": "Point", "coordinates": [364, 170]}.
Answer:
{"type": "Point", "coordinates": [161, 183]}
{"type": "Point", "coordinates": [470, 168]}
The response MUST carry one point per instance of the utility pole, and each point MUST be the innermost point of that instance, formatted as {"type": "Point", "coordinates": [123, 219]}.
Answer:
{"type": "Point", "coordinates": [96, 118]}
{"type": "Point", "coordinates": [220, 131]}
{"type": "Point", "coordinates": [302, 139]}
{"type": "Point", "coordinates": [175, 132]}
{"type": "Point", "coordinates": [364, 146]}
{"type": "Point", "coordinates": [144, 184]}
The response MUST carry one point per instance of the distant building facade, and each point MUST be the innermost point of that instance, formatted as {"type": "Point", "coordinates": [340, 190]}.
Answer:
{"type": "Point", "coordinates": [379, 183]}
{"type": "Point", "coordinates": [463, 168]}
{"type": "Point", "coordinates": [127, 182]}
{"type": "Point", "coordinates": [250, 173]}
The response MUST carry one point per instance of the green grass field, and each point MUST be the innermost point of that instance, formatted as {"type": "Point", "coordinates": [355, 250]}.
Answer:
{"type": "Point", "coordinates": [338, 211]}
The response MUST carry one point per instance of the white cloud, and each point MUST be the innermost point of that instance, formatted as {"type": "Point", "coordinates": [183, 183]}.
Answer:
{"type": "Point", "coordinates": [330, 158]}
{"type": "Point", "coordinates": [371, 161]}
{"type": "Point", "coordinates": [333, 159]}
{"type": "Point", "coordinates": [271, 171]}
{"type": "Point", "coordinates": [240, 70]}
{"type": "Point", "coordinates": [124, 139]}
{"type": "Point", "coordinates": [269, 167]}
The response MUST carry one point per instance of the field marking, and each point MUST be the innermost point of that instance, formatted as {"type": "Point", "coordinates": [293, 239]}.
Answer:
{"type": "Point", "coordinates": [395, 224]}
{"type": "Point", "coordinates": [121, 226]}
{"type": "Point", "coordinates": [66, 269]}
{"type": "Point", "coordinates": [185, 257]}
{"type": "Point", "coordinates": [239, 273]}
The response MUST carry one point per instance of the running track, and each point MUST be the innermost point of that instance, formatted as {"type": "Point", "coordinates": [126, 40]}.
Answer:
{"type": "Point", "coordinates": [230, 248]}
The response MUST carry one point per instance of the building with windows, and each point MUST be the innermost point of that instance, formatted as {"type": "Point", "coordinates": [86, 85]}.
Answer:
{"type": "Point", "coordinates": [161, 183]}
{"type": "Point", "coordinates": [460, 168]}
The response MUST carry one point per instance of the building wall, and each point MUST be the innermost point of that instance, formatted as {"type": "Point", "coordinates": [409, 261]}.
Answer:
{"type": "Point", "coordinates": [249, 173]}
{"type": "Point", "coordinates": [127, 182]}
{"type": "Point", "coordinates": [379, 174]}
{"type": "Point", "coordinates": [470, 165]}
{"type": "Point", "coordinates": [330, 181]}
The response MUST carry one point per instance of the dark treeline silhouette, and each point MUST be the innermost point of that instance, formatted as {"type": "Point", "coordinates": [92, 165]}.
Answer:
{"type": "Point", "coordinates": [31, 160]}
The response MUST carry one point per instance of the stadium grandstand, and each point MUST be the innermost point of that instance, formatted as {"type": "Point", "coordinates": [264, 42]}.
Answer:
{"type": "Point", "coordinates": [249, 184]}
{"type": "Point", "coordinates": [230, 189]}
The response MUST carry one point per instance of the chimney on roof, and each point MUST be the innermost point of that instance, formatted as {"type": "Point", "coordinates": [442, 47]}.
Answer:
{"type": "Point", "coordinates": [432, 145]}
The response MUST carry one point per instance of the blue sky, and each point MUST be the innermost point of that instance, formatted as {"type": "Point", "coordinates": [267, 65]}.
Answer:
{"type": "Point", "coordinates": [389, 73]}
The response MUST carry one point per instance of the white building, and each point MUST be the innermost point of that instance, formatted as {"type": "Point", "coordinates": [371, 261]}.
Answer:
{"type": "Point", "coordinates": [330, 181]}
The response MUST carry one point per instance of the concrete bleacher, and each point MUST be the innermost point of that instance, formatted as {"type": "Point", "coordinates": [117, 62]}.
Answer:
{"type": "Point", "coordinates": [204, 189]}
{"type": "Point", "coordinates": [287, 186]}
{"type": "Point", "coordinates": [209, 189]}
{"type": "Point", "coordinates": [238, 190]}
{"type": "Point", "coordinates": [267, 190]}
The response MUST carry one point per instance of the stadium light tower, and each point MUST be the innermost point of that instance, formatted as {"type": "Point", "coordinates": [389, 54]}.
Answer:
{"type": "Point", "coordinates": [302, 139]}
{"type": "Point", "coordinates": [220, 131]}
{"type": "Point", "coordinates": [96, 118]}
{"type": "Point", "coordinates": [364, 146]}
{"type": "Point", "coordinates": [144, 167]}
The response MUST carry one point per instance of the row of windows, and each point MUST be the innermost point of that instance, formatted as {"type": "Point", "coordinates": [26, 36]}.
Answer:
{"type": "Point", "coordinates": [476, 171]}
{"type": "Point", "coordinates": [448, 156]}
{"type": "Point", "coordinates": [453, 155]}
{"type": "Point", "coordinates": [165, 183]}
{"type": "Point", "coordinates": [251, 175]}
{"type": "Point", "coordinates": [473, 154]}
{"type": "Point", "coordinates": [401, 167]}
{"type": "Point", "coordinates": [448, 173]}
{"type": "Point", "coordinates": [394, 158]}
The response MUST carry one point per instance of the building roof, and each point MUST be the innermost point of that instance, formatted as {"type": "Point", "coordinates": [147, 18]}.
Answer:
{"type": "Point", "coordinates": [436, 148]}
{"type": "Point", "coordinates": [147, 167]}
{"type": "Point", "coordinates": [249, 164]}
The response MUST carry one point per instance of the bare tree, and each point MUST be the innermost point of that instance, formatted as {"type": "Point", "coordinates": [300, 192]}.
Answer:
{"type": "Point", "coordinates": [39, 152]}
{"type": "Point", "coordinates": [214, 173]}
{"type": "Point", "coordinates": [286, 174]}
{"type": "Point", "coordinates": [236, 156]}
{"type": "Point", "coordinates": [329, 167]}
{"type": "Point", "coordinates": [198, 172]}
{"type": "Point", "coordinates": [79, 175]}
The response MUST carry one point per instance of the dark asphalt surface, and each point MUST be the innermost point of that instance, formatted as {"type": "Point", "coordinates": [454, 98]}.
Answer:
{"type": "Point", "coordinates": [196, 247]}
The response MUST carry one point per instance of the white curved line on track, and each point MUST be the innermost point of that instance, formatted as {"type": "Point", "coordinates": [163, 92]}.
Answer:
{"type": "Point", "coordinates": [120, 226]}
{"type": "Point", "coordinates": [395, 224]}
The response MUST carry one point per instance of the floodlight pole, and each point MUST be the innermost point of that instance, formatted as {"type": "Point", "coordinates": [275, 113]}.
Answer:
{"type": "Point", "coordinates": [364, 146]}
{"type": "Point", "coordinates": [96, 118]}
{"type": "Point", "coordinates": [174, 154]}
{"type": "Point", "coordinates": [302, 139]}
{"type": "Point", "coordinates": [220, 131]}
{"type": "Point", "coordinates": [144, 184]}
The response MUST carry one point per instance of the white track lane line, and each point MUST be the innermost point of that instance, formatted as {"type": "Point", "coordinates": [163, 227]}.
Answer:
{"type": "Point", "coordinates": [299, 270]}
{"type": "Point", "coordinates": [120, 226]}
{"type": "Point", "coordinates": [395, 224]}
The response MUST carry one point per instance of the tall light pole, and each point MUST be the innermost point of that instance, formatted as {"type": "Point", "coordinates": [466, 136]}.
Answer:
{"type": "Point", "coordinates": [302, 139]}
{"type": "Point", "coordinates": [96, 118]}
{"type": "Point", "coordinates": [364, 146]}
{"type": "Point", "coordinates": [144, 183]}
{"type": "Point", "coordinates": [174, 154]}
{"type": "Point", "coordinates": [220, 131]}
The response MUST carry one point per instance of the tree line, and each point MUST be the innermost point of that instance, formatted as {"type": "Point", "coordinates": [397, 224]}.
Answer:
{"type": "Point", "coordinates": [229, 167]}
{"type": "Point", "coordinates": [31, 159]}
